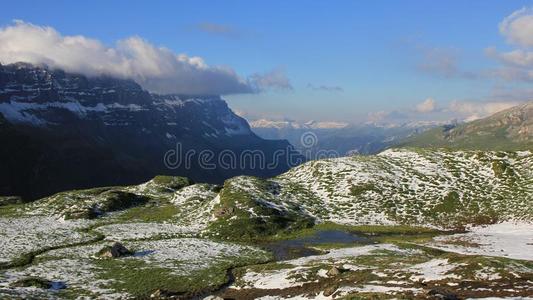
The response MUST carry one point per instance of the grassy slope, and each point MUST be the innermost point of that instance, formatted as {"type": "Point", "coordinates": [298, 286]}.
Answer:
{"type": "Point", "coordinates": [440, 188]}
{"type": "Point", "coordinates": [506, 130]}
{"type": "Point", "coordinates": [418, 187]}
{"type": "Point", "coordinates": [436, 138]}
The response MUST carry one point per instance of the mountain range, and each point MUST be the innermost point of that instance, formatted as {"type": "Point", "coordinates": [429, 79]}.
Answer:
{"type": "Point", "coordinates": [64, 131]}
{"type": "Point", "coordinates": [339, 138]}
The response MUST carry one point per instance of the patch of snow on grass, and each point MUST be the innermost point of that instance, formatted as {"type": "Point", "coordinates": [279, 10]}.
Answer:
{"type": "Point", "coordinates": [508, 239]}
{"type": "Point", "coordinates": [286, 277]}
{"type": "Point", "coordinates": [135, 231]}
{"type": "Point", "coordinates": [375, 289]}
{"type": "Point", "coordinates": [435, 269]}
{"type": "Point", "coordinates": [74, 273]}
{"type": "Point", "coordinates": [20, 236]}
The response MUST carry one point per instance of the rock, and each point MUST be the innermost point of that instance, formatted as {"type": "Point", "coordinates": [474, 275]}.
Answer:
{"type": "Point", "coordinates": [157, 294]}
{"type": "Point", "coordinates": [117, 250]}
{"type": "Point", "coordinates": [330, 290]}
{"type": "Point", "coordinates": [334, 271]}
{"type": "Point", "coordinates": [442, 294]}
{"type": "Point", "coordinates": [224, 211]}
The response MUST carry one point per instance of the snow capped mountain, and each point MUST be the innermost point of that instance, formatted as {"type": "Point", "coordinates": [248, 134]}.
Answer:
{"type": "Point", "coordinates": [411, 124]}
{"type": "Point", "coordinates": [37, 96]}
{"type": "Point", "coordinates": [338, 137]}
{"type": "Point", "coordinates": [285, 124]}
{"type": "Point", "coordinates": [112, 131]}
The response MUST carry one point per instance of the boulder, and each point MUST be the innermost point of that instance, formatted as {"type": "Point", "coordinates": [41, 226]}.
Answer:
{"type": "Point", "coordinates": [334, 271]}
{"type": "Point", "coordinates": [330, 290]}
{"type": "Point", "coordinates": [441, 294]}
{"type": "Point", "coordinates": [224, 211]}
{"type": "Point", "coordinates": [117, 250]}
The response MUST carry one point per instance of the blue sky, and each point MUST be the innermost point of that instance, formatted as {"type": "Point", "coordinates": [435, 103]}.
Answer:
{"type": "Point", "coordinates": [344, 59]}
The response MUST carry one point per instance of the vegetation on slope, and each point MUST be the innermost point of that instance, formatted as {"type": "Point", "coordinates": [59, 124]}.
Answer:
{"type": "Point", "coordinates": [511, 129]}
{"type": "Point", "coordinates": [399, 198]}
{"type": "Point", "coordinates": [248, 210]}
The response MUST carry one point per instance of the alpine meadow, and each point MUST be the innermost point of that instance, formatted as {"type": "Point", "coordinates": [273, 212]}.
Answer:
{"type": "Point", "coordinates": [266, 150]}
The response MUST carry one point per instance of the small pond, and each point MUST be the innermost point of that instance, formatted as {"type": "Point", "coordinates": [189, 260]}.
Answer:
{"type": "Point", "coordinates": [299, 247]}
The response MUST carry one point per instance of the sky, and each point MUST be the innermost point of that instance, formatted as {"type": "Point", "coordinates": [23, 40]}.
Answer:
{"type": "Point", "coordinates": [344, 61]}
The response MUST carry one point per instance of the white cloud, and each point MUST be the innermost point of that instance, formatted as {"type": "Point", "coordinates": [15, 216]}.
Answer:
{"type": "Point", "coordinates": [387, 116]}
{"type": "Point", "coordinates": [157, 69]}
{"type": "Point", "coordinates": [428, 105]}
{"type": "Point", "coordinates": [456, 110]}
{"type": "Point", "coordinates": [518, 58]}
{"type": "Point", "coordinates": [275, 79]}
{"type": "Point", "coordinates": [517, 64]}
{"type": "Point", "coordinates": [518, 27]}
{"type": "Point", "coordinates": [470, 110]}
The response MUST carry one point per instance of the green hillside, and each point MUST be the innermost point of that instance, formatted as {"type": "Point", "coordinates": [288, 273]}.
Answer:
{"type": "Point", "coordinates": [511, 129]}
{"type": "Point", "coordinates": [382, 216]}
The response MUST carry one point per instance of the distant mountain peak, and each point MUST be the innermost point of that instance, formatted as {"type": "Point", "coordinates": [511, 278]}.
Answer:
{"type": "Point", "coordinates": [289, 124]}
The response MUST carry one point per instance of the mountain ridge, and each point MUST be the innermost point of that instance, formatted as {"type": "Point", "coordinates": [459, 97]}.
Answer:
{"type": "Point", "coordinates": [67, 131]}
{"type": "Point", "coordinates": [510, 129]}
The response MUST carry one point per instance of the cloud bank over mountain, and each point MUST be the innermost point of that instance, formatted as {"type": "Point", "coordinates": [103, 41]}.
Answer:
{"type": "Point", "coordinates": [431, 110]}
{"type": "Point", "coordinates": [157, 69]}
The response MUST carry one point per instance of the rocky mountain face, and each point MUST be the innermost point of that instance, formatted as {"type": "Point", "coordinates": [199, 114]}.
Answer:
{"type": "Point", "coordinates": [63, 131]}
{"type": "Point", "coordinates": [509, 129]}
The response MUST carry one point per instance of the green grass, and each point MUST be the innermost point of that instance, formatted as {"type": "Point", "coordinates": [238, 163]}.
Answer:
{"type": "Point", "coordinates": [168, 184]}
{"type": "Point", "coordinates": [11, 210]}
{"type": "Point", "coordinates": [141, 279]}
{"type": "Point", "coordinates": [146, 213]}
{"type": "Point", "coordinates": [437, 138]}
{"type": "Point", "coordinates": [33, 282]}
{"type": "Point", "coordinates": [239, 224]}
{"type": "Point", "coordinates": [9, 200]}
